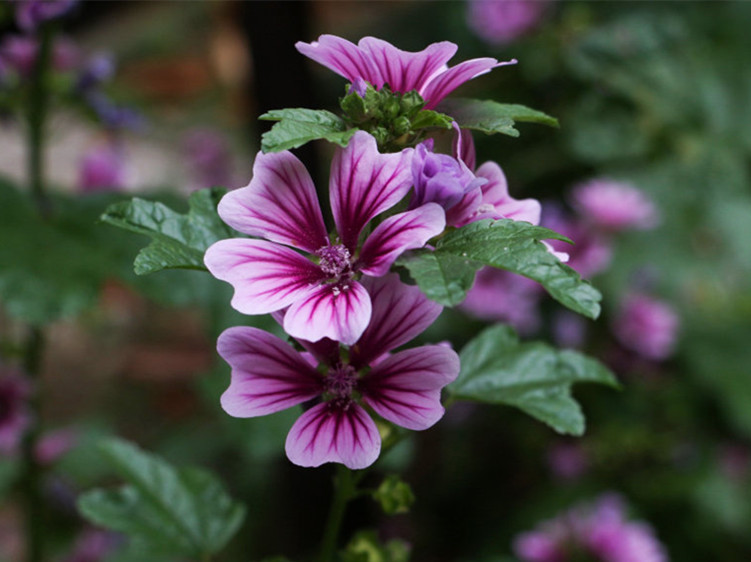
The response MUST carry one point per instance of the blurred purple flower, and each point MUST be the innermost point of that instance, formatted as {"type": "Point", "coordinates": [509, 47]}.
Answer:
{"type": "Point", "coordinates": [647, 326]}
{"type": "Point", "coordinates": [209, 158]}
{"type": "Point", "coordinates": [31, 13]}
{"type": "Point", "coordinates": [567, 461]}
{"type": "Point", "coordinates": [99, 68]}
{"type": "Point", "coordinates": [614, 206]}
{"type": "Point", "coordinates": [377, 62]}
{"type": "Point", "coordinates": [102, 168]}
{"type": "Point", "coordinates": [499, 22]}
{"type": "Point", "coordinates": [55, 444]}
{"type": "Point", "coordinates": [590, 254]}
{"type": "Point", "coordinates": [20, 53]}
{"type": "Point", "coordinates": [501, 296]}
{"type": "Point", "coordinates": [15, 416]}
{"type": "Point", "coordinates": [111, 115]}
{"type": "Point", "coordinates": [93, 545]}
{"type": "Point", "coordinates": [569, 329]}
{"type": "Point", "coordinates": [598, 530]}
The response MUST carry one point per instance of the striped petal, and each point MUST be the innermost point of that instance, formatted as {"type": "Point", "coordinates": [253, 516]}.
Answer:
{"type": "Point", "coordinates": [331, 433]}
{"type": "Point", "coordinates": [406, 387]}
{"type": "Point", "coordinates": [495, 195]}
{"type": "Point", "coordinates": [365, 183]}
{"type": "Point", "coordinates": [341, 56]}
{"type": "Point", "coordinates": [446, 82]}
{"type": "Point", "coordinates": [267, 374]}
{"type": "Point", "coordinates": [336, 311]}
{"type": "Point", "coordinates": [266, 276]}
{"type": "Point", "coordinates": [279, 204]}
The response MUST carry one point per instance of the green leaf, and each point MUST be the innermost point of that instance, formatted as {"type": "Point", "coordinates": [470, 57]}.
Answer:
{"type": "Point", "coordinates": [178, 240]}
{"type": "Point", "coordinates": [534, 377]}
{"type": "Point", "coordinates": [446, 273]}
{"type": "Point", "coordinates": [394, 495]}
{"type": "Point", "coordinates": [182, 511]}
{"type": "Point", "coordinates": [298, 126]}
{"type": "Point", "coordinates": [492, 117]}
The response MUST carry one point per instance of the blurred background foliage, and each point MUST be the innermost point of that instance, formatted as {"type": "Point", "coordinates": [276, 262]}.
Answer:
{"type": "Point", "coordinates": [654, 94]}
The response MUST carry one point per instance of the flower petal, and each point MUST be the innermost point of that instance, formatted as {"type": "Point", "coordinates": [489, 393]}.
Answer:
{"type": "Point", "coordinates": [337, 311]}
{"type": "Point", "coordinates": [406, 387]}
{"type": "Point", "coordinates": [365, 183]}
{"type": "Point", "coordinates": [446, 82]}
{"type": "Point", "coordinates": [400, 312]}
{"type": "Point", "coordinates": [405, 231]}
{"type": "Point", "coordinates": [327, 433]}
{"type": "Point", "coordinates": [495, 194]}
{"type": "Point", "coordinates": [267, 374]}
{"type": "Point", "coordinates": [343, 57]}
{"type": "Point", "coordinates": [266, 276]}
{"type": "Point", "coordinates": [405, 71]}
{"type": "Point", "coordinates": [279, 204]}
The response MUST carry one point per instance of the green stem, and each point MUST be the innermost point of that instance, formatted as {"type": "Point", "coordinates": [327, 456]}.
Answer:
{"type": "Point", "coordinates": [345, 488]}
{"type": "Point", "coordinates": [36, 116]}
{"type": "Point", "coordinates": [31, 470]}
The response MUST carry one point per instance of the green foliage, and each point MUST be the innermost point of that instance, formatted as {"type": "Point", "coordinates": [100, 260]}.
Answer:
{"type": "Point", "coordinates": [297, 126]}
{"type": "Point", "coordinates": [446, 274]}
{"type": "Point", "coordinates": [492, 117]}
{"type": "Point", "coordinates": [178, 240]}
{"type": "Point", "coordinates": [534, 377]}
{"type": "Point", "coordinates": [163, 509]}
{"type": "Point", "coordinates": [366, 547]}
{"type": "Point", "coordinates": [394, 495]}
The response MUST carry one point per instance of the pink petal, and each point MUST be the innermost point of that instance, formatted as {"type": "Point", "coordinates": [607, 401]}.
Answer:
{"type": "Point", "coordinates": [327, 433]}
{"type": "Point", "coordinates": [365, 183]}
{"type": "Point", "coordinates": [336, 311]}
{"type": "Point", "coordinates": [405, 71]}
{"type": "Point", "coordinates": [496, 195]}
{"type": "Point", "coordinates": [406, 387]}
{"type": "Point", "coordinates": [343, 57]}
{"type": "Point", "coordinates": [267, 374]}
{"type": "Point", "coordinates": [405, 231]}
{"type": "Point", "coordinates": [279, 204]}
{"type": "Point", "coordinates": [266, 276]}
{"type": "Point", "coordinates": [400, 313]}
{"type": "Point", "coordinates": [446, 82]}
{"type": "Point", "coordinates": [464, 147]}
{"type": "Point", "coordinates": [467, 210]}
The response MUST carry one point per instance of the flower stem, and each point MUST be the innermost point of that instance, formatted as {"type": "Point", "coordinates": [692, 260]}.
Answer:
{"type": "Point", "coordinates": [36, 117]}
{"type": "Point", "coordinates": [345, 488]}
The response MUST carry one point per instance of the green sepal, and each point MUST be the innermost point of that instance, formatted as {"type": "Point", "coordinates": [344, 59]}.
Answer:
{"type": "Point", "coordinates": [179, 240]}
{"type": "Point", "coordinates": [297, 126]}
{"type": "Point", "coordinates": [163, 509]}
{"type": "Point", "coordinates": [492, 117]}
{"type": "Point", "coordinates": [446, 273]}
{"type": "Point", "coordinates": [394, 495]}
{"type": "Point", "coordinates": [534, 377]}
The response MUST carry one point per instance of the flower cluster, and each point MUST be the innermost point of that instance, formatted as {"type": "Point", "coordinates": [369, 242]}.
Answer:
{"type": "Point", "coordinates": [599, 532]}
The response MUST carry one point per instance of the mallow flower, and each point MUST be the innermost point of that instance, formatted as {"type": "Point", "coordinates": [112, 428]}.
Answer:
{"type": "Point", "coordinates": [320, 287]}
{"type": "Point", "coordinates": [269, 375]}
{"type": "Point", "coordinates": [647, 326]}
{"type": "Point", "coordinates": [379, 63]}
{"type": "Point", "coordinates": [614, 206]}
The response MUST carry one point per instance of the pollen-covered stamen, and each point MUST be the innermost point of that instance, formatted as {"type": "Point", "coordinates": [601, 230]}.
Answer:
{"type": "Point", "coordinates": [334, 260]}
{"type": "Point", "coordinates": [340, 383]}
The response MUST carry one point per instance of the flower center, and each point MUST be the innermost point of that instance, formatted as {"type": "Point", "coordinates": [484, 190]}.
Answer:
{"type": "Point", "coordinates": [340, 383]}
{"type": "Point", "coordinates": [334, 260]}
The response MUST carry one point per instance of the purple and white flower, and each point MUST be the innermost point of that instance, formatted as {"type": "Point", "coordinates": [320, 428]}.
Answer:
{"type": "Point", "coordinates": [322, 287]}
{"type": "Point", "coordinates": [379, 63]}
{"type": "Point", "coordinates": [614, 206]}
{"type": "Point", "coordinates": [647, 326]}
{"type": "Point", "coordinates": [268, 376]}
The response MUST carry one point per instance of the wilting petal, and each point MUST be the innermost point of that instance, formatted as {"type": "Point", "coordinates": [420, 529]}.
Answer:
{"type": "Point", "coordinates": [406, 387]}
{"type": "Point", "coordinates": [364, 183]}
{"type": "Point", "coordinates": [343, 57]}
{"type": "Point", "coordinates": [405, 231]}
{"type": "Point", "coordinates": [266, 276]}
{"type": "Point", "coordinates": [496, 195]}
{"type": "Point", "coordinates": [405, 71]}
{"type": "Point", "coordinates": [400, 312]}
{"type": "Point", "coordinates": [279, 204]}
{"type": "Point", "coordinates": [446, 82]}
{"type": "Point", "coordinates": [331, 433]}
{"type": "Point", "coordinates": [336, 311]}
{"type": "Point", "coordinates": [267, 374]}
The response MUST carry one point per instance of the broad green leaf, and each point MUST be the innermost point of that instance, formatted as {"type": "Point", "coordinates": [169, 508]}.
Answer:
{"type": "Point", "coordinates": [178, 240]}
{"type": "Point", "coordinates": [492, 117]}
{"type": "Point", "coordinates": [297, 126]}
{"type": "Point", "coordinates": [534, 377]}
{"type": "Point", "coordinates": [163, 509]}
{"type": "Point", "coordinates": [446, 273]}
